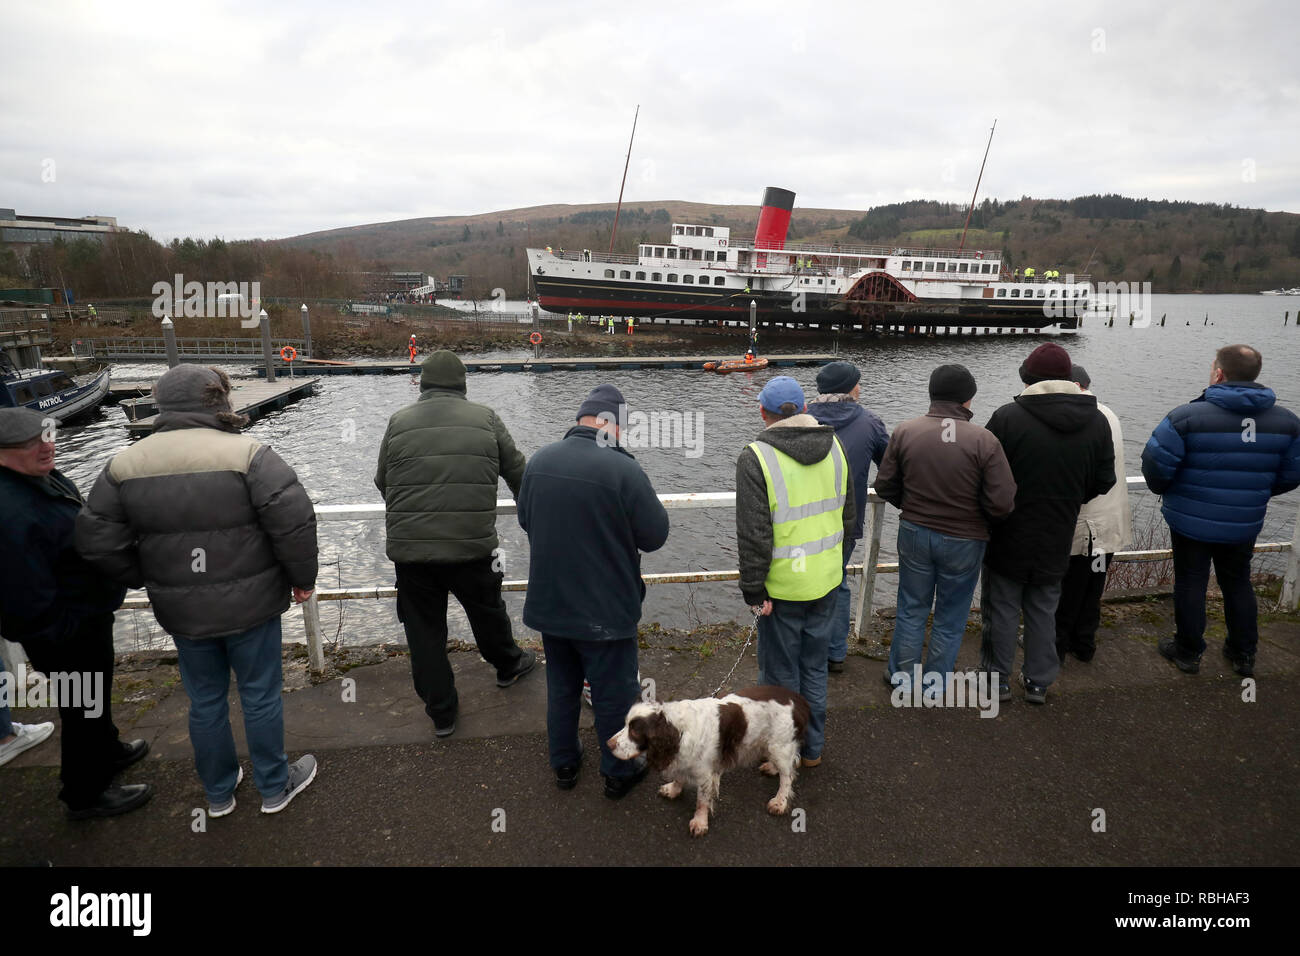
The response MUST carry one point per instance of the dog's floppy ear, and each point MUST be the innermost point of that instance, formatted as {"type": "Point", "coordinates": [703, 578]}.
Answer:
{"type": "Point", "coordinates": [662, 740]}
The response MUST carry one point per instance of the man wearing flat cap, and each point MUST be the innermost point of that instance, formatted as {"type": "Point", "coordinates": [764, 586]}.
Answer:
{"type": "Point", "coordinates": [589, 511]}
{"type": "Point", "coordinates": [439, 464]}
{"type": "Point", "coordinates": [217, 528]}
{"type": "Point", "coordinates": [864, 438]}
{"type": "Point", "coordinates": [794, 511]}
{"type": "Point", "coordinates": [1061, 454]}
{"type": "Point", "coordinates": [61, 610]}
{"type": "Point", "coordinates": [951, 480]}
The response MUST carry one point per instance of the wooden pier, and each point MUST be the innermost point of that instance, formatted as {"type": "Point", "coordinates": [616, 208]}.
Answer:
{"type": "Point", "coordinates": [547, 364]}
{"type": "Point", "coordinates": [250, 398]}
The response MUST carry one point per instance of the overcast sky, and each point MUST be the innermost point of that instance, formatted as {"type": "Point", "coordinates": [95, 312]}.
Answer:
{"type": "Point", "coordinates": [244, 119]}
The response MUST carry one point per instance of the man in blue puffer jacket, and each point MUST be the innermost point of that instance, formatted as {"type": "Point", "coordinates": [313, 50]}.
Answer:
{"type": "Point", "coordinates": [1217, 461]}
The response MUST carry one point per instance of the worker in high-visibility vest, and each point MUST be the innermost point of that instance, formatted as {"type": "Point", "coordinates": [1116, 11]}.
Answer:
{"type": "Point", "coordinates": [411, 348]}
{"type": "Point", "coordinates": [629, 325]}
{"type": "Point", "coordinates": [570, 321]}
{"type": "Point", "coordinates": [1029, 273]}
{"type": "Point", "coordinates": [794, 510]}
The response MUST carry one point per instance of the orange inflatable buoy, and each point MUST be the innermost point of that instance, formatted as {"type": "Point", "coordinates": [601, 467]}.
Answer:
{"type": "Point", "coordinates": [535, 338]}
{"type": "Point", "coordinates": [288, 353]}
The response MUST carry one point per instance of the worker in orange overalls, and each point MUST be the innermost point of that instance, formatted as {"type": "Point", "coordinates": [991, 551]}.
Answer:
{"type": "Point", "coordinates": [411, 348]}
{"type": "Point", "coordinates": [629, 325]}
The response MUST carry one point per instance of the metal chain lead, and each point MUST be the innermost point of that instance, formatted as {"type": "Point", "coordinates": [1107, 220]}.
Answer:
{"type": "Point", "coordinates": [748, 640]}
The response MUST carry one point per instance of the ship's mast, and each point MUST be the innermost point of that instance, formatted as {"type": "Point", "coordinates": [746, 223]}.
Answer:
{"type": "Point", "coordinates": [617, 209]}
{"type": "Point", "coordinates": [977, 187]}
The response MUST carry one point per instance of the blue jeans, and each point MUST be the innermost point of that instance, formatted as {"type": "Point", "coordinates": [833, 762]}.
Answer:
{"type": "Point", "coordinates": [839, 648]}
{"type": "Point", "coordinates": [205, 670]}
{"type": "Point", "coordinates": [793, 642]}
{"type": "Point", "coordinates": [610, 667]}
{"type": "Point", "coordinates": [939, 569]}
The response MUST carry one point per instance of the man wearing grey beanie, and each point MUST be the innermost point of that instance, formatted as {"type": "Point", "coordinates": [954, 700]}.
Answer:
{"type": "Point", "coordinates": [218, 529]}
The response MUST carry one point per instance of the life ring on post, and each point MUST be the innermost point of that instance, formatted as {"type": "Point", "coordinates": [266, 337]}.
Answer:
{"type": "Point", "coordinates": [535, 338]}
{"type": "Point", "coordinates": [288, 353]}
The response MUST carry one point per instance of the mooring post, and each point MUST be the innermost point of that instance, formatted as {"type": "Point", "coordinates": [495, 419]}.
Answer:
{"type": "Point", "coordinates": [169, 341]}
{"type": "Point", "coordinates": [266, 346]}
{"type": "Point", "coordinates": [311, 624]}
{"type": "Point", "coordinates": [1286, 318]}
{"type": "Point", "coordinates": [306, 330]}
{"type": "Point", "coordinates": [1290, 597]}
{"type": "Point", "coordinates": [866, 590]}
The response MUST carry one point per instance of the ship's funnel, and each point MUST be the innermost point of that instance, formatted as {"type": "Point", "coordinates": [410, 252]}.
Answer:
{"type": "Point", "coordinates": [773, 221]}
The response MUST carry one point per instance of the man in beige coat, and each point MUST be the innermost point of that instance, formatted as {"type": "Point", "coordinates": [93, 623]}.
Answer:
{"type": "Point", "coordinates": [1105, 526]}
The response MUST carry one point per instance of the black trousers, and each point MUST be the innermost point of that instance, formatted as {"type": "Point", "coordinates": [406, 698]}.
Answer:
{"type": "Point", "coordinates": [1078, 614]}
{"type": "Point", "coordinates": [1192, 560]}
{"type": "Point", "coordinates": [90, 744]}
{"type": "Point", "coordinates": [422, 591]}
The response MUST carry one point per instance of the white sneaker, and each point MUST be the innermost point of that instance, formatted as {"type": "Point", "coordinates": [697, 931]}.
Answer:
{"type": "Point", "coordinates": [26, 736]}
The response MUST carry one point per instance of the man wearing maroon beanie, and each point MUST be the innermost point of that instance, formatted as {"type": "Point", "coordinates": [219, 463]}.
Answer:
{"type": "Point", "coordinates": [1061, 455]}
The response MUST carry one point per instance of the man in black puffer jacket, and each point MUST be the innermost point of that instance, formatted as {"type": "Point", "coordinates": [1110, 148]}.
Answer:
{"type": "Point", "coordinates": [438, 468]}
{"type": "Point", "coordinates": [216, 526]}
{"type": "Point", "coordinates": [1061, 455]}
{"type": "Point", "coordinates": [61, 611]}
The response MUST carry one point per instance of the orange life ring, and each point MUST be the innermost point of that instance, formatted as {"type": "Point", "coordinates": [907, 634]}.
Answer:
{"type": "Point", "coordinates": [288, 353]}
{"type": "Point", "coordinates": [535, 338]}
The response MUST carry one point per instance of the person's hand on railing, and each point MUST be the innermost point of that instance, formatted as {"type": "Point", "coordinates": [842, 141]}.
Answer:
{"type": "Point", "coordinates": [300, 595]}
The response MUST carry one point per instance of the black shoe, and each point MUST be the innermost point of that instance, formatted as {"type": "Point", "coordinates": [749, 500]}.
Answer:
{"type": "Point", "coordinates": [526, 663]}
{"type": "Point", "coordinates": [114, 801]}
{"type": "Point", "coordinates": [1084, 655]}
{"type": "Point", "coordinates": [1034, 693]}
{"type": "Point", "coordinates": [566, 778]}
{"type": "Point", "coordinates": [616, 788]}
{"type": "Point", "coordinates": [444, 730]}
{"type": "Point", "coordinates": [835, 667]}
{"type": "Point", "coordinates": [1168, 647]}
{"type": "Point", "coordinates": [1242, 664]}
{"type": "Point", "coordinates": [131, 753]}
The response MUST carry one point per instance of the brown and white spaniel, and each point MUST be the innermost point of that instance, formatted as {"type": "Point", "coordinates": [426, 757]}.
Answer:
{"type": "Point", "coordinates": [694, 741]}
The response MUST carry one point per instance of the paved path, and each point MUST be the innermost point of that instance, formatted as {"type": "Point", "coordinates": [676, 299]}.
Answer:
{"type": "Point", "coordinates": [1185, 770]}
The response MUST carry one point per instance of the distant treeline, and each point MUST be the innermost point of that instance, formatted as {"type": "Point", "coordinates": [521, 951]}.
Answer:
{"type": "Point", "coordinates": [1177, 246]}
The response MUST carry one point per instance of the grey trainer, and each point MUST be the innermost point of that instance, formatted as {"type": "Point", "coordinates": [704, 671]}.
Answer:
{"type": "Point", "coordinates": [301, 773]}
{"type": "Point", "coordinates": [227, 806]}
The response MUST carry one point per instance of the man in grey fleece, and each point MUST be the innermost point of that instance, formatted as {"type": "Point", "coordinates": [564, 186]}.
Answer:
{"type": "Point", "coordinates": [794, 509]}
{"type": "Point", "coordinates": [216, 526]}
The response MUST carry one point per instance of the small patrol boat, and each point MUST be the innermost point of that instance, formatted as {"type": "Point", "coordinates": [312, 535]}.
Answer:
{"type": "Point", "coordinates": [51, 392]}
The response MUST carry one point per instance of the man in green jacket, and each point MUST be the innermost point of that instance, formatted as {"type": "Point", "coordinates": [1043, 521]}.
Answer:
{"type": "Point", "coordinates": [438, 468]}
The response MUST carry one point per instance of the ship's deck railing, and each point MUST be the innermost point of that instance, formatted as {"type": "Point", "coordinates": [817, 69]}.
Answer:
{"type": "Point", "coordinates": [867, 572]}
{"type": "Point", "coordinates": [840, 249]}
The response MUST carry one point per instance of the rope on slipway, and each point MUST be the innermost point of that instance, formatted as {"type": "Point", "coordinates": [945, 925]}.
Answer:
{"type": "Point", "coordinates": [749, 639]}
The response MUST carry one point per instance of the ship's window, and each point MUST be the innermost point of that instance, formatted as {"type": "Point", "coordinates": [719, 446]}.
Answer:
{"type": "Point", "coordinates": [907, 265]}
{"type": "Point", "coordinates": [640, 275]}
{"type": "Point", "coordinates": [1076, 294]}
{"type": "Point", "coordinates": [656, 277]}
{"type": "Point", "coordinates": [698, 254]}
{"type": "Point", "coordinates": [708, 231]}
{"type": "Point", "coordinates": [719, 280]}
{"type": "Point", "coordinates": [1042, 293]}
{"type": "Point", "coordinates": [690, 230]}
{"type": "Point", "coordinates": [672, 277]}
{"type": "Point", "coordinates": [722, 255]}
{"type": "Point", "coordinates": [1015, 293]}
{"type": "Point", "coordinates": [984, 267]}
{"type": "Point", "coordinates": [929, 267]}
{"type": "Point", "coordinates": [609, 273]}
{"type": "Point", "coordinates": [62, 381]}
{"type": "Point", "coordinates": [961, 267]}
{"type": "Point", "coordinates": [1052, 294]}
{"type": "Point", "coordinates": [1002, 293]}
{"type": "Point", "coordinates": [1084, 294]}
{"type": "Point", "coordinates": [672, 253]}
{"type": "Point", "coordinates": [43, 387]}
{"type": "Point", "coordinates": [688, 279]}
{"type": "Point", "coordinates": [677, 230]}
{"type": "Point", "coordinates": [659, 251]}
{"type": "Point", "coordinates": [23, 394]}
{"type": "Point", "coordinates": [624, 274]}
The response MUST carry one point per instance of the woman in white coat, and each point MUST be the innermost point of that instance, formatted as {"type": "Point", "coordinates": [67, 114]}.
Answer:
{"type": "Point", "coordinates": [1105, 526]}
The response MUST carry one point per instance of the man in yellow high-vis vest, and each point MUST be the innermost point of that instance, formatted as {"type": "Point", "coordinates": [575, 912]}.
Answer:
{"type": "Point", "coordinates": [794, 510]}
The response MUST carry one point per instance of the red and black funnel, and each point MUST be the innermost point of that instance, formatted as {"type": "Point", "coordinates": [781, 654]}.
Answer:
{"type": "Point", "coordinates": [773, 221]}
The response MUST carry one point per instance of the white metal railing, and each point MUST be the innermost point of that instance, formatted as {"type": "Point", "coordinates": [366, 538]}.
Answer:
{"type": "Point", "coordinates": [867, 571]}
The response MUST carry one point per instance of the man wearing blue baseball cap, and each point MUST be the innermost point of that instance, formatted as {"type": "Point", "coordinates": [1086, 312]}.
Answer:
{"type": "Point", "coordinates": [794, 510]}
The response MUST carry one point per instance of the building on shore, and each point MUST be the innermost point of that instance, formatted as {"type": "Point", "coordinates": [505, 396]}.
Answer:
{"type": "Point", "coordinates": [33, 230]}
